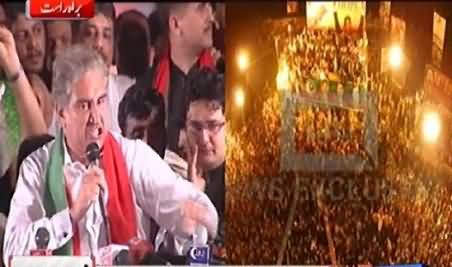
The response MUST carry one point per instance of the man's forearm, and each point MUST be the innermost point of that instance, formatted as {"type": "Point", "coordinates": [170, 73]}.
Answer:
{"type": "Point", "coordinates": [31, 117]}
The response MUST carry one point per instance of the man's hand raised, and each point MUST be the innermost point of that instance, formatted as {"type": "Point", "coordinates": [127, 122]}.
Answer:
{"type": "Point", "coordinates": [195, 172]}
{"type": "Point", "coordinates": [9, 60]}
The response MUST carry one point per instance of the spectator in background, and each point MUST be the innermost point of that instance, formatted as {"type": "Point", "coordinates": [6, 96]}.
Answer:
{"type": "Point", "coordinates": [206, 138]}
{"type": "Point", "coordinates": [22, 103]}
{"type": "Point", "coordinates": [30, 42]}
{"type": "Point", "coordinates": [98, 31]}
{"type": "Point", "coordinates": [142, 116]}
{"type": "Point", "coordinates": [155, 28]}
{"type": "Point", "coordinates": [132, 29]}
{"type": "Point", "coordinates": [59, 37]}
{"type": "Point", "coordinates": [205, 146]}
{"type": "Point", "coordinates": [220, 25]}
{"type": "Point", "coordinates": [187, 34]}
{"type": "Point", "coordinates": [29, 36]}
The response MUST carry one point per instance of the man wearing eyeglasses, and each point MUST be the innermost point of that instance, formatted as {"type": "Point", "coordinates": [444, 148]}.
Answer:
{"type": "Point", "coordinates": [205, 135]}
{"type": "Point", "coordinates": [205, 146]}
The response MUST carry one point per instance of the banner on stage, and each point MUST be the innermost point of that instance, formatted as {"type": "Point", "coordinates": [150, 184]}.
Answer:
{"type": "Point", "coordinates": [324, 14]}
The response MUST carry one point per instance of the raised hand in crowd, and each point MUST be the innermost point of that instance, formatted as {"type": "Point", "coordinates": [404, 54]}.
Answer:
{"type": "Point", "coordinates": [31, 116]}
{"type": "Point", "coordinates": [195, 172]}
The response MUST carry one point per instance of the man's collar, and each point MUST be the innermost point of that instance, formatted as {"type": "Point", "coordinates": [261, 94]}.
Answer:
{"type": "Point", "coordinates": [67, 157]}
{"type": "Point", "coordinates": [178, 71]}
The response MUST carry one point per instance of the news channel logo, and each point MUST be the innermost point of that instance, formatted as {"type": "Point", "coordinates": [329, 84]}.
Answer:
{"type": "Point", "coordinates": [199, 255]}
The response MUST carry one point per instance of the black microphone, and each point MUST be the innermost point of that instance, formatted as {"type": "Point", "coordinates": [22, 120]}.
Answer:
{"type": "Point", "coordinates": [42, 239]}
{"type": "Point", "coordinates": [93, 156]}
{"type": "Point", "coordinates": [122, 258]}
{"type": "Point", "coordinates": [93, 153]}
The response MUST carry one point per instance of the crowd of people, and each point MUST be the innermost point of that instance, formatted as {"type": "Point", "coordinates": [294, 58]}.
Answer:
{"type": "Point", "coordinates": [330, 126]}
{"type": "Point", "coordinates": [396, 212]}
{"type": "Point", "coordinates": [337, 57]}
{"type": "Point", "coordinates": [158, 79]}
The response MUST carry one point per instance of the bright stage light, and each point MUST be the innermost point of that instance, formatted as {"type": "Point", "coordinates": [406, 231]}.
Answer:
{"type": "Point", "coordinates": [239, 97]}
{"type": "Point", "coordinates": [431, 127]}
{"type": "Point", "coordinates": [243, 60]}
{"type": "Point", "coordinates": [395, 56]}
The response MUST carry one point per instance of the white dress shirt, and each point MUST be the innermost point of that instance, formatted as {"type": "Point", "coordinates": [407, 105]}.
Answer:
{"type": "Point", "coordinates": [156, 190]}
{"type": "Point", "coordinates": [117, 87]}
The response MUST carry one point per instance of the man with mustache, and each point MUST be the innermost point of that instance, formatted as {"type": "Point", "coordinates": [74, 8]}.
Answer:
{"type": "Point", "coordinates": [58, 189]}
{"type": "Point", "coordinates": [30, 39]}
{"type": "Point", "coordinates": [187, 32]}
{"type": "Point", "coordinates": [98, 31]}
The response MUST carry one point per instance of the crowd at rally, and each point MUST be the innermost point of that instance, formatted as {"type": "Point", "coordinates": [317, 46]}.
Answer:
{"type": "Point", "coordinates": [326, 55]}
{"type": "Point", "coordinates": [395, 212]}
{"type": "Point", "coordinates": [321, 54]}
{"type": "Point", "coordinates": [158, 79]}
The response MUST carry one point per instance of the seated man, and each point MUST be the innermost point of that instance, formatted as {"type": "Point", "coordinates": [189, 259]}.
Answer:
{"type": "Point", "coordinates": [60, 190]}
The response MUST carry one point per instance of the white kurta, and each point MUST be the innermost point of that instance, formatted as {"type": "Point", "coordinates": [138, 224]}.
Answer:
{"type": "Point", "coordinates": [157, 193]}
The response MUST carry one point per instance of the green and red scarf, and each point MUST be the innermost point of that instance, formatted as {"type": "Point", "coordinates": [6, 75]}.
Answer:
{"type": "Point", "coordinates": [120, 207]}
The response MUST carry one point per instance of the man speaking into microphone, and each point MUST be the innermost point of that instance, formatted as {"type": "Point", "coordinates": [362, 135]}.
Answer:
{"type": "Point", "coordinates": [59, 189]}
